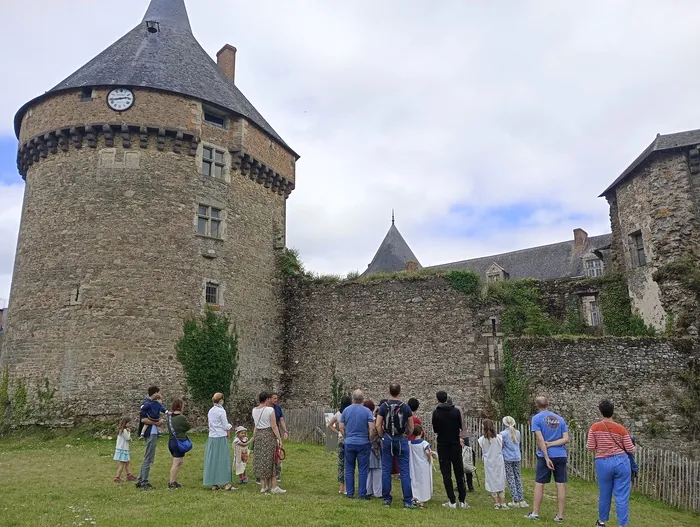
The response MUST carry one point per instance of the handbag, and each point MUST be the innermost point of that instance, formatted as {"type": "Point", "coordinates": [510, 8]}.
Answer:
{"type": "Point", "coordinates": [183, 445]}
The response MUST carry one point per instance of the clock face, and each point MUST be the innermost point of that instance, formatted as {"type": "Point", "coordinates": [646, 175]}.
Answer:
{"type": "Point", "coordinates": [120, 99]}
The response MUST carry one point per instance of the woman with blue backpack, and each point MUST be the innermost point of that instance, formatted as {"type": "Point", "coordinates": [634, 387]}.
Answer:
{"type": "Point", "coordinates": [178, 444]}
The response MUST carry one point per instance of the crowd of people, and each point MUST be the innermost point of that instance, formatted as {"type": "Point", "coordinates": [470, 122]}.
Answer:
{"type": "Point", "coordinates": [387, 440]}
{"type": "Point", "coordinates": [220, 467]}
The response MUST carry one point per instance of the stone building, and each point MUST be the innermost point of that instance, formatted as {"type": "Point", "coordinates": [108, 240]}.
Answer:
{"type": "Point", "coordinates": [654, 217]}
{"type": "Point", "coordinates": [154, 188]}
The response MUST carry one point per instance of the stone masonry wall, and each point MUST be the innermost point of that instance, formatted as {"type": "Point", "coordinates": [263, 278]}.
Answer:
{"type": "Point", "coordinates": [639, 375]}
{"type": "Point", "coordinates": [658, 201]}
{"type": "Point", "coordinates": [420, 333]}
{"type": "Point", "coordinates": [109, 264]}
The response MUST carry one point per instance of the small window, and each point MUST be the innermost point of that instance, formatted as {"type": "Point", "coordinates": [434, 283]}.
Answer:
{"type": "Point", "coordinates": [86, 94]}
{"type": "Point", "coordinates": [639, 257]}
{"type": "Point", "coordinates": [212, 162]}
{"type": "Point", "coordinates": [214, 119]}
{"type": "Point", "coordinates": [211, 294]}
{"type": "Point", "coordinates": [594, 267]}
{"type": "Point", "coordinates": [493, 278]}
{"type": "Point", "coordinates": [209, 221]}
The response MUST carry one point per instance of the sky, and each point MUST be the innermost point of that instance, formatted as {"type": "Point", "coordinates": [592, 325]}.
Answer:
{"type": "Point", "coordinates": [487, 126]}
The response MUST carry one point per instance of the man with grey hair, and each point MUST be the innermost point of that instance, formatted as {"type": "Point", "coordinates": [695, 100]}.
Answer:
{"type": "Point", "coordinates": [357, 427]}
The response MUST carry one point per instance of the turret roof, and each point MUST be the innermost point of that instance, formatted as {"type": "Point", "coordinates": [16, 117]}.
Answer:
{"type": "Point", "coordinates": [170, 60]}
{"type": "Point", "coordinates": [393, 254]}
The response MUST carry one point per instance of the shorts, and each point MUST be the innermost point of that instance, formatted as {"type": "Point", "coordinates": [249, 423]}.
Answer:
{"type": "Point", "coordinates": [174, 450]}
{"type": "Point", "coordinates": [544, 475]}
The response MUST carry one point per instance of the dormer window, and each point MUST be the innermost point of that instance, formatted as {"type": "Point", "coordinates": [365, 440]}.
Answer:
{"type": "Point", "coordinates": [496, 273]}
{"type": "Point", "coordinates": [152, 26]}
{"type": "Point", "coordinates": [594, 267]}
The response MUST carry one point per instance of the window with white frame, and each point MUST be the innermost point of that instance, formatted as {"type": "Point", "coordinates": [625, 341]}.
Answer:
{"type": "Point", "coordinates": [594, 311]}
{"type": "Point", "coordinates": [211, 293]}
{"type": "Point", "coordinates": [213, 162]}
{"type": "Point", "coordinates": [594, 267]}
{"type": "Point", "coordinates": [639, 257]}
{"type": "Point", "coordinates": [209, 221]}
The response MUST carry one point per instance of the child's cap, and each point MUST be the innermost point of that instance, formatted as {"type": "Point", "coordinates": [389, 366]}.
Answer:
{"type": "Point", "coordinates": [241, 429]}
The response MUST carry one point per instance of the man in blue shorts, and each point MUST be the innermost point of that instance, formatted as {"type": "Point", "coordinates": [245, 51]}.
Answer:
{"type": "Point", "coordinates": [552, 434]}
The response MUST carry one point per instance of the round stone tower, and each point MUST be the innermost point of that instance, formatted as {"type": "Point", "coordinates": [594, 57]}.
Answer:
{"type": "Point", "coordinates": [153, 189]}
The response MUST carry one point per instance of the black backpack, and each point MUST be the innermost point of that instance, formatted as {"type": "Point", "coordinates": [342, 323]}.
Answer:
{"type": "Point", "coordinates": [395, 423]}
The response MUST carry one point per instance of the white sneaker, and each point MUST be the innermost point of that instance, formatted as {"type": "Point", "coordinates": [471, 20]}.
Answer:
{"type": "Point", "coordinates": [263, 490]}
{"type": "Point", "coordinates": [513, 504]}
{"type": "Point", "coordinates": [450, 505]}
{"type": "Point", "coordinates": [278, 490]}
{"type": "Point", "coordinates": [463, 505]}
{"type": "Point", "coordinates": [523, 505]}
{"type": "Point", "coordinates": [504, 507]}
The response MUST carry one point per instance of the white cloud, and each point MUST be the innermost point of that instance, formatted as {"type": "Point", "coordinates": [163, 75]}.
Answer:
{"type": "Point", "coordinates": [10, 212]}
{"type": "Point", "coordinates": [422, 106]}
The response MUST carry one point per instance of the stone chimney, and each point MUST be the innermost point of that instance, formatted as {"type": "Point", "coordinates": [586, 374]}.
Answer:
{"type": "Point", "coordinates": [226, 59]}
{"type": "Point", "coordinates": [580, 239]}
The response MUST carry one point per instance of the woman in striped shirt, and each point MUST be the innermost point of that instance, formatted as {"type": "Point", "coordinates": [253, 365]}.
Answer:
{"type": "Point", "coordinates": [611, 443]}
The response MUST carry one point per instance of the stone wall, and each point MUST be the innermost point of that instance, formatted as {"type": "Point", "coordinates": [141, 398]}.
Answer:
{"type": "Point", "coordinates": [659, 201]}
{"type": "Point", "coordinates": [420, 333]}
{"type": "Point", "coordinates": [639, 375]}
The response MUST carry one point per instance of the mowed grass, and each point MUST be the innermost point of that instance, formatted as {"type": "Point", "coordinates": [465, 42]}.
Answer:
{"type": "Point", "coordinates": [45, 482]}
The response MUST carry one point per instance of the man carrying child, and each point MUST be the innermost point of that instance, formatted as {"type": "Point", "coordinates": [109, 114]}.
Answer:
{"type": "Point", "coordinates": [149, 417]}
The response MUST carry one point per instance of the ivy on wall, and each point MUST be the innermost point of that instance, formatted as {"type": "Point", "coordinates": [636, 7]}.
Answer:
{"type": "Point", "coordinates": [686, 271]}
{"type": "Point", "coordinates": [516, 397]}
{"type": "Point", "coordinates": [615, 306]}
{"type": "Point", "coordinates": [522, 308]}
{"type": "Point", "coordinates": [208, 352]}
{"type": "Point", "coordinates": [467, 282]}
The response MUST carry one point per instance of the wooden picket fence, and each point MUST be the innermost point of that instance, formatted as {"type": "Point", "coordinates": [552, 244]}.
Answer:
{"type": "Point", "coordinates": [664, 475]}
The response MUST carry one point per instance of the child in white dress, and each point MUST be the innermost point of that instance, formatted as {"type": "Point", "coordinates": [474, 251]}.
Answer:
{"type": "Point", "coordinates": [121, 453]}
{"type": "Point", "coordinates": [421, 465]}
{"type": "Point", "coordinates": [494, 467]}
{"type": "Point", "coordinates": [240, 454]}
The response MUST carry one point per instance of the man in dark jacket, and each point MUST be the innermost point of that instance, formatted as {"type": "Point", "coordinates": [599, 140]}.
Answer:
{"type": "Point", "coordinates": [447, 424]}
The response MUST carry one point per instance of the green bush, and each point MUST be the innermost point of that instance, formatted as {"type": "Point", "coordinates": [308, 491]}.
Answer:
{"type": "Point", "coordinates": [208, 352]}
{"type": "Point", "coordinates": [289, 263]}
{"type": "Point", "coordinates": [522, 309]}
{"type": "Point", "coordinates": [616, 308]}
{"type": "Point", "coordinates": [517, 396]}
{"type": "Point", "coordinates": [466, 282]}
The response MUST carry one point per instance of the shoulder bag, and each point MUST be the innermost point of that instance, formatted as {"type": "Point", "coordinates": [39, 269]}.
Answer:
{"type": "Point", "coordinates": [184, 445]}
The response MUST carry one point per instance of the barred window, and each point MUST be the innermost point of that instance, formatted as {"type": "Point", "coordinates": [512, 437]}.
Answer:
{"type": "Point", "coordinates": [212, 162]}
{"type": "Point", "coordinates": [594, 267]}
{"type": "Point", "coordinates": [211, 294]}
{"type": "Point", "coordinates": [209, 221]}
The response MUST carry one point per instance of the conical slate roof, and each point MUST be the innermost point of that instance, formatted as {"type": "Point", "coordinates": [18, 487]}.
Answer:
{"type": "Point", "coordinates": [170, 60]}
{"type": "Point", "coordinates": [393, 254]}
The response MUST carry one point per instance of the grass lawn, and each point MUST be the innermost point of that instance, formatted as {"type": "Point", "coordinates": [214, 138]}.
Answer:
{"type": "Point", "coordinates": [45, 482]}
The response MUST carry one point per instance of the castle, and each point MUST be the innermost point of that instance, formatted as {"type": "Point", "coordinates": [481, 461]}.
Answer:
{"type": "Point", "coordinates": [154, 188]}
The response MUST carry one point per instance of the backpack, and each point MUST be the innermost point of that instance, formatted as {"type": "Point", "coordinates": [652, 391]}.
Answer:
{"type": "Point", "coordinates": [395, 424]}
{"type": "Point", "coordinates": [468, 459]}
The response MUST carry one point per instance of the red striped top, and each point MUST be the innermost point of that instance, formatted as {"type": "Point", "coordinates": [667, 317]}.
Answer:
{"type": "Point", "coordinates": [607, 438]}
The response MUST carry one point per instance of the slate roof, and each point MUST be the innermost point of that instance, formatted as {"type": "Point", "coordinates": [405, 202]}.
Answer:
{"type": "Point", "coordinates": [548, 262]}
{"type": "Point", "coordinates": [393, 254]}
{"type": "Point", "coordinates": [171, 60]}
{"type": "Point", "coordinates": [660, 143]}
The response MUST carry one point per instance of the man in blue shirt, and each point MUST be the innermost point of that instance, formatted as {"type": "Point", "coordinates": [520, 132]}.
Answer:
{"type": "Point", "coordinates": [552, 434]}
{"type": "Point", "coordinates": [357, 427]}
{"type": "Point", "coordinates": [279, 415]}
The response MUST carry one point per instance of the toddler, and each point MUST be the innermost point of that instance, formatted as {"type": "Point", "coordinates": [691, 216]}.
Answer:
{"type": "Point", "coordinates": [240, 454]}
{"type": "Point", "coordinates": [152, 410]}
{"type": "Point", "coordinates": [494, 466]}
{"type": "Point", "coordinates": [421, 465]}
{"type": "Point", "coordinates": [121, 453]}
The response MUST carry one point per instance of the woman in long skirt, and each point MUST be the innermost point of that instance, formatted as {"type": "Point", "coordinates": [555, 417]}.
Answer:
{"type": "Point", "coordinates": [217, 456]}
{"type": "Point", "coordinates": [267, 440]}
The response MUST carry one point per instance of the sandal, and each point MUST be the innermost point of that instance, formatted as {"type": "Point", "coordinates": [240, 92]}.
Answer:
{"type": "Point", "coordinates": [215, 487]}
{"type": "Point", "coordinates": [230, 487]}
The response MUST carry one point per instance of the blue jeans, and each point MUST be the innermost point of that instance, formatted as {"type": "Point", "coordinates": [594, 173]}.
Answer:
{"type": "Point", "coordinates": [361, 454]}
{"type": "Point", "coordinates": [614, 477]}
{"type": "Point", "coordinates": [396, 448]}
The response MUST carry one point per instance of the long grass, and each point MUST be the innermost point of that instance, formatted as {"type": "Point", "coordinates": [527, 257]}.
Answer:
{"type": "Point", "coordinates": [67, 481]}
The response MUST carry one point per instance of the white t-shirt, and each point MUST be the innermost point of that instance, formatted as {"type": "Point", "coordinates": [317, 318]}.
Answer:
{"type": "Point", "coordinates": [337, 417]}
{"type": "Point", "coordinates": [262, 417]}
{"type": "Point", "coordinates": [123, 440]}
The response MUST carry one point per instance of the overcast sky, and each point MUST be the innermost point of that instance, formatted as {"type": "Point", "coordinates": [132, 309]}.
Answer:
{"type": "Point", "coordinates": [488, 126]}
